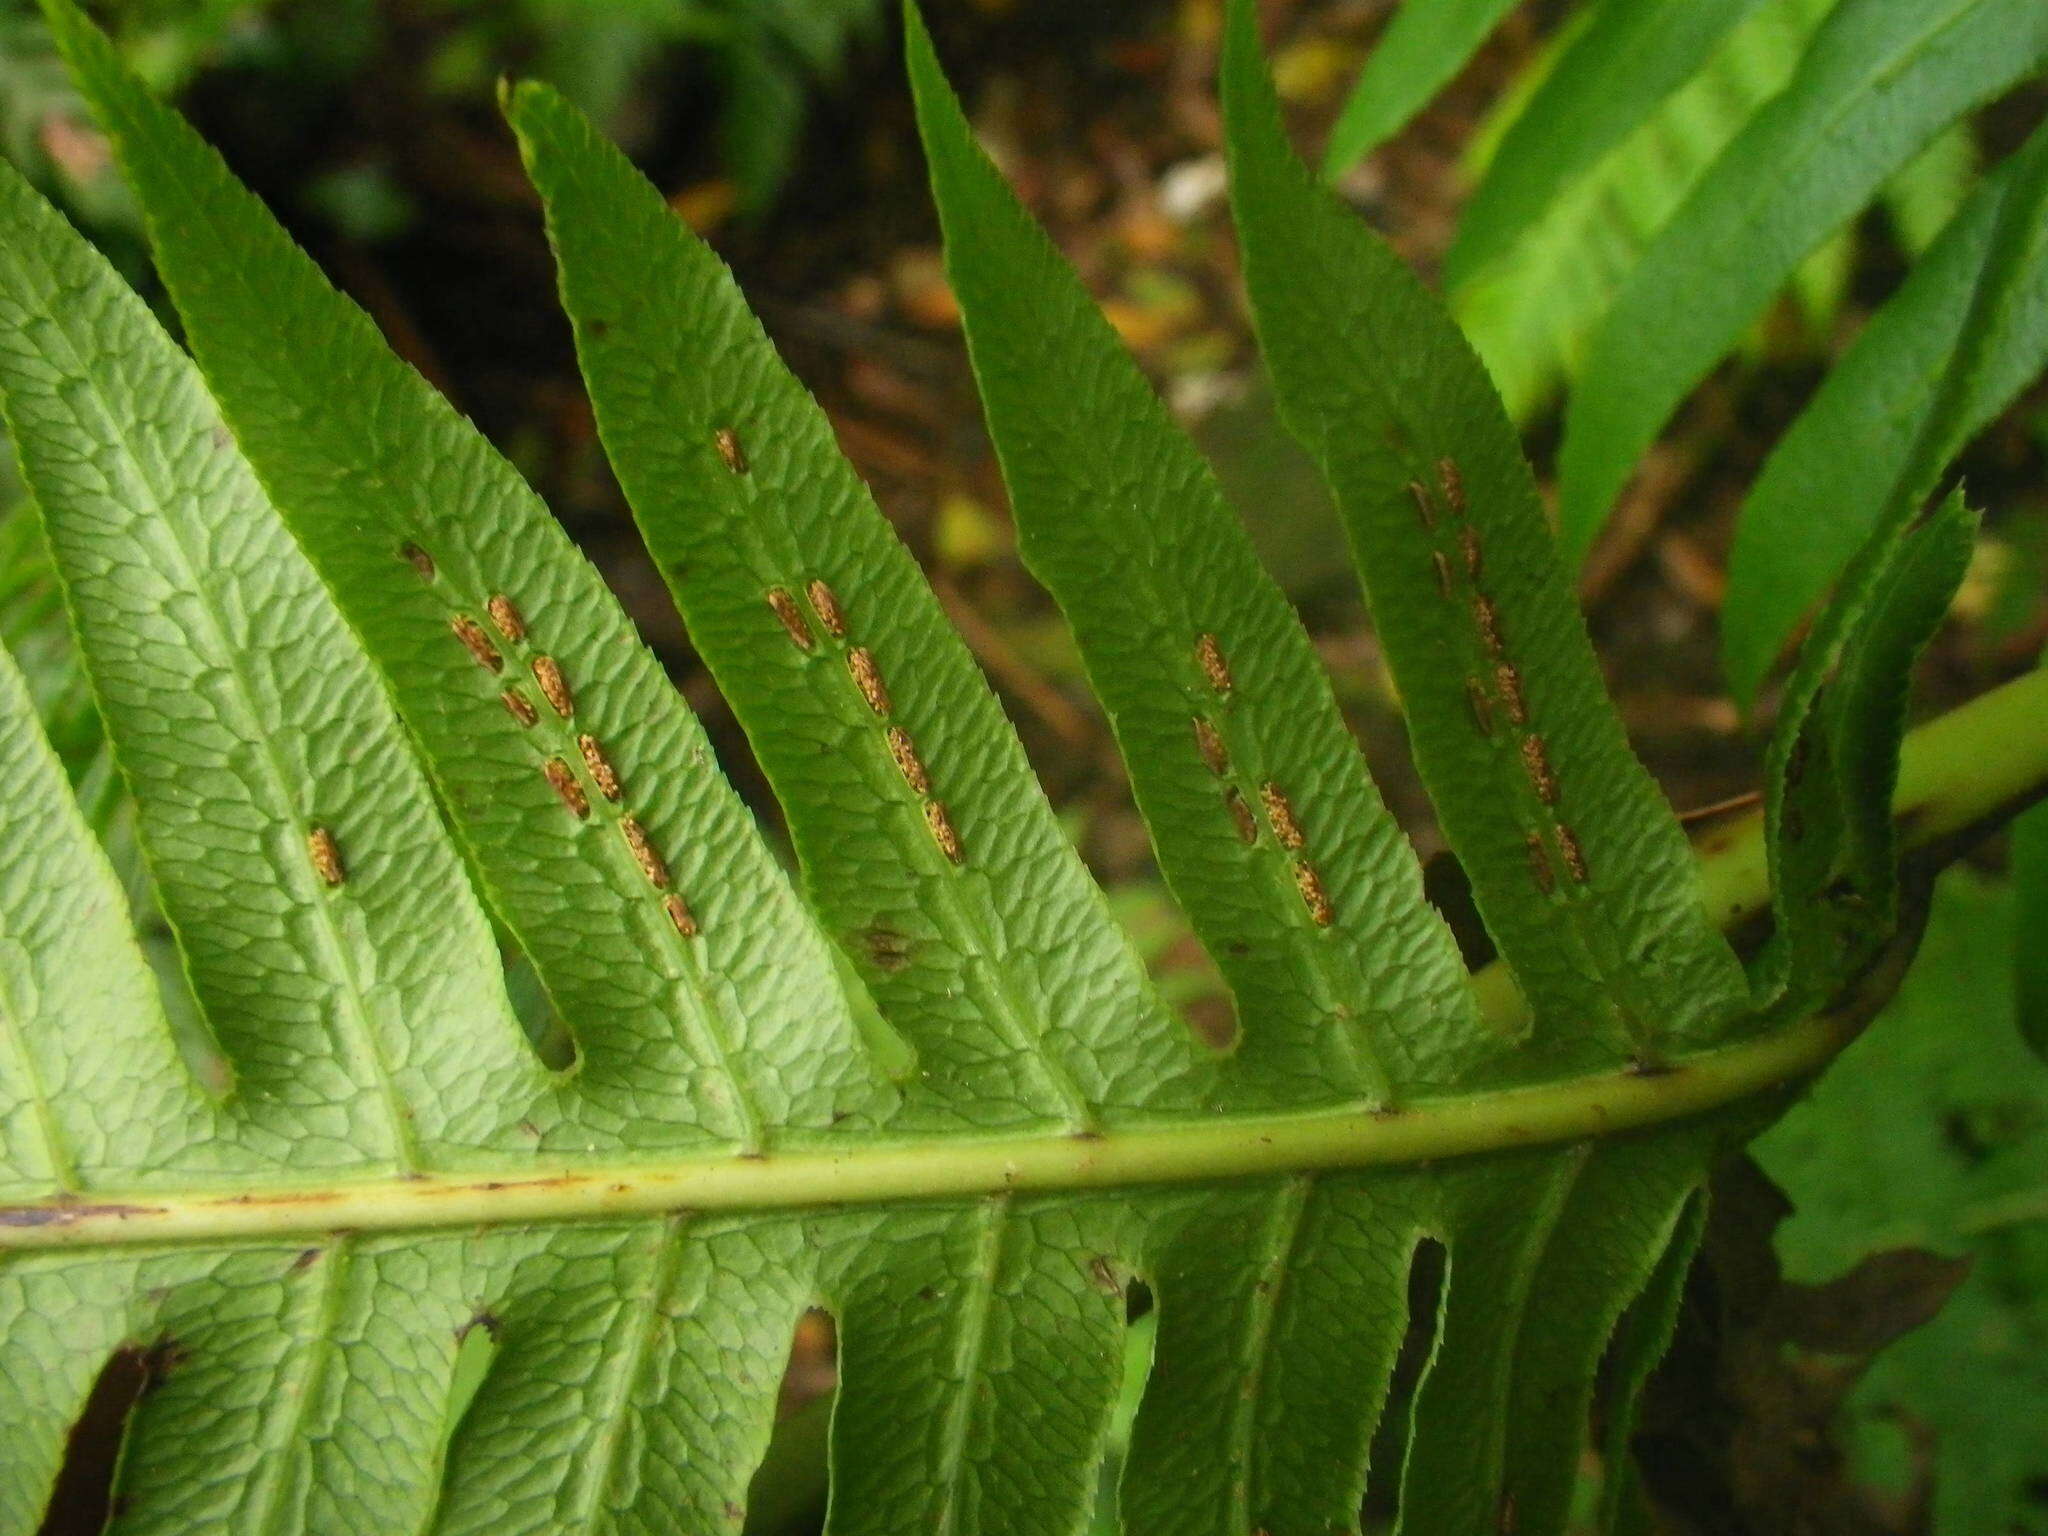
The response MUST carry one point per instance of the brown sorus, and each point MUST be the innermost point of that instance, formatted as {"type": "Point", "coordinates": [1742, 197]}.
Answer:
{"type": "Point", "coordinates": [867, 677]}
{"type": "Point", "coordinates": [1280, 816]}
{"type": "Point", "coordinates": [1313, 896]}
{"type": "Point", "coordinates": [472, 635]}
{"type": "Point", "coordinates": [1423, 509]}
{"type": "Point", "coordinates": [1482, 706]}
{"type": "Point", "coordinates": [553, 686]}
{"type": "Point", "coordinates": [1539, 864]}
{"type": "Point", "coordinates": [326, 856]}
{"type": "Point", "coordinates": [519, 706]}
{"type": "Point", "coordinates": [1209, 656]}
{"type": "Point", "coordinates": [1453, 483]}
{"type": "Point", "coordinates": [679, 913]}
{"type": "Point", "coordinates": [1488, 620]}
{"type": "Point", "coordinates": [941, 824]}
{"type": "Point", "coordinates": [791, 617]}
{"type": "Point", "coordinates": [602, 774]}
{"type": "Point", "coordinates": [418, 559]}
{"type": "Point", "coordinates": [1536, 763]}
{"type": "Point", "coordinates": [506, 615]}
{"type": "Point", "coordinates": [730, 451]}
{"type": "Point", "coordinates": [908, 763]}
{"type": "Point", "coordinates": [825, 604]}
{"type": "Point", "coordinates": [563, 781]}
{"type": "Point", "coordinates": [1209, 742]}
{"type": "Point", "coordinates": [1443, 571]}
{"type": "Point", "coordinates": [1468, 542]}
{"type": "Point", "coordinates": [1574, 856]}
{"type": "Point", "coordinates": [645, 854]}
{"type": "Point", "coordinates": [1241, 816]}
{"type": "Point", "coordinates": [1508, 683]}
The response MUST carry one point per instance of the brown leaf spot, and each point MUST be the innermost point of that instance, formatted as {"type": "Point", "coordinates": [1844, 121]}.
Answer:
{"type": "Point", "coordinates": [825, 604]}
{"type": "Point", "coordinates": [602, 774]}
{"type": "Point", "coordinates": [791, 617]}
{"type": "Point", "coordinates": [908, 763]}
{"type": "Point", "coordinates": [645, 854]}
{"type": "Point", "coordinates": [326, 856]}
{"type": "Point", "coordinates": [1209, 657]}
{"type": "Point", "coordinates": [472, 635]}
{"type": "Point", "coordinates": [563, 782]}
{"type": "Point", "coordinates": [553, 686]}
{"type": "Point", "coordinates": [867, 677]}
{"type": "Point", "coordinates": [943, 833]}
{"type": "Point", "coordinates": [505, 614]}
{"type": "Point", "coordinates": [1280, 817]}
{"type": "Point", "coordinates": [1209, 742]}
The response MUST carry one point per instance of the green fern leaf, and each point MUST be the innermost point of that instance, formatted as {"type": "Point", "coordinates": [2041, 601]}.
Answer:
{"type": "Point", "coordinates": [926, 844]}
{"type": "Point", "coordinates": [1882, 78]}
{"type": "Point", "coordinates": [534, 1301]}
{"type": "Point", "coordinates": [1267, 824]}
{"type": "Point", "coordinates": [582, 787]}
{"type": "Point", "coordinates": [1616, 71]}
{"type": "Point", "coordinates": [1577, 864]}
{"type": "Point", "coordinates": [1826, 481]}
{"type": "Point", "coordinates": [1426, 43]}
{"type": "Point", "coordinates": [1531, 309]}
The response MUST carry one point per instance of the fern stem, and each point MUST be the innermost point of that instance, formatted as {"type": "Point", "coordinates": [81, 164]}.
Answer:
{"type": "Point", "coordinates": [1962, 770]}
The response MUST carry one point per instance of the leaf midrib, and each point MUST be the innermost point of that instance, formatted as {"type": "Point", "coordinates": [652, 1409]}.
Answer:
{"type": "Point", "coordinates": [1191, 1151]}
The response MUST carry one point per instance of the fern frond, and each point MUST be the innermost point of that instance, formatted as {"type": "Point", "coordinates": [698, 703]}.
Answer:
{"type": "Point", "coordinates": [385, 1270]}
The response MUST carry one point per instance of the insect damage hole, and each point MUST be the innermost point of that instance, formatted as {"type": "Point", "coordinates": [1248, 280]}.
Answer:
{"type": "Point", "coordinates": [326, 856]}
{"type": "Point", "coordinates": [825, 604]}
{"type": "Point", "coordinates": [553, 686]}
{"type": "Point", "coordinates": [505, 614]}
{"type": "Point", "coordinates": [730, 452]}
{"type": "Point", "coordinates": [478, 644]}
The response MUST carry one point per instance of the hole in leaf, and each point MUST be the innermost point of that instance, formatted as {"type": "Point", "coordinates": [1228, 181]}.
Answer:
{"type": "Point", "coordinates": [787, 1494]}
{"type": "Point", "coordinates": [1427, 1269]}
{"type": "Point", "coordinates": [82, 1499]}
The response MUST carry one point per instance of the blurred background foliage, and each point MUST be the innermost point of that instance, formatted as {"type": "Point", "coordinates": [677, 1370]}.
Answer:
{"type": "Point", "coordinates": [780, 129]}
